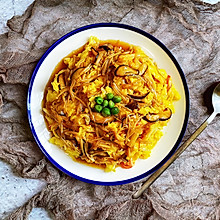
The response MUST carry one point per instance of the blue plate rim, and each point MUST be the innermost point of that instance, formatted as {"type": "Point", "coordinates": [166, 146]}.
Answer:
{"type": "Point", "coordinates": [149, 36]}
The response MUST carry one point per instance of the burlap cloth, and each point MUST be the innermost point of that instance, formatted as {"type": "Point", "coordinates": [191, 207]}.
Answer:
{"type": "Point", "coordinates": [190, 188]}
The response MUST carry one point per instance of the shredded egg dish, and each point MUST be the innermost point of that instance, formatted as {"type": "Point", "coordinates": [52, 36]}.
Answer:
{"type": "Point", "coordinates": [106, 104]}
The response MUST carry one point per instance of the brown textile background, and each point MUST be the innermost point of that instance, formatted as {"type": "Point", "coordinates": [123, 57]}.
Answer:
{"type": "Point", "coordinates": [190, 189]}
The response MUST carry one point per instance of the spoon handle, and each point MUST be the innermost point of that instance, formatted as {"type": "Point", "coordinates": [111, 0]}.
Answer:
{"type": "Point", "coordinates": [177, 153]}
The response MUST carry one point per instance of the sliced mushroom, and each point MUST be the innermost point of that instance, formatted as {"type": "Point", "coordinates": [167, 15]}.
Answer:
{"type": "Point", "coordinates": [106, 47]}
{"type": "Point", "coordinates": [166, 114]}
{"type": "Point", "coordinates": [138, 97]}
{"type": "Point", "coordinates": [94, 51]}
{"type": "Point", "coordinates": [133, 104]}
{"type": "Point", "coordinates": [142, 68]}
{"type": "Point", "coordinates": [151, 117]}
{"type": "Point", "coordinates": [76, 73]}
{"type": "Point", "coordinates": [101, 54]}
{"type": "Point", "coordinates": [98, 118]}
{"type": "Point", "coordinates": [79, 71]}
{"type": "Point", "coordinates": [125, 70]}
{"type": "Point", "coordinates": [61, 81]}
{"type": "Point", "coordinates": [162, 116]}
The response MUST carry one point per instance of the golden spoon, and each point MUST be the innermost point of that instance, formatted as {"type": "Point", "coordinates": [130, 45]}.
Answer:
{"type": "Point", "coordinates": [155, 175]}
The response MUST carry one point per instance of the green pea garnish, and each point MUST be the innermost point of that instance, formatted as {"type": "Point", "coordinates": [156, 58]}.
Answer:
{"type": "Point", "coordinates": [115, 110]}
{"type": "Point", "coordinates": [111, 104]}
{"type": "Point", "coordinates": [106, 112]}
{"type": "Point", "coordinates": [107, 106]}
{"type": "Point", "coordinates": [98, 108]}
{"type": "Point", "coordinates": [105, 103]}
{"type": "Point", "coordinates": [109, 96]}
{"type": "Point", "coordinates": [116, 99]}
{"type": "Point", "coordinates": [98, 100]}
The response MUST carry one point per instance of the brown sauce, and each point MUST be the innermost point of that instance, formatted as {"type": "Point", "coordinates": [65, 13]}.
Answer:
{"type": "Point", "coordinates": [99, 166]}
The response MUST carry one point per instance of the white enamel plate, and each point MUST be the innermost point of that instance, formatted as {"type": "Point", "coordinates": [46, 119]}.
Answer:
{"type": "Point", "coordinates": [173, 133]}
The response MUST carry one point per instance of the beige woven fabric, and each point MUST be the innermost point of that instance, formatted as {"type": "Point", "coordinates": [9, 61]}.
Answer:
{"type": "Point", "coordinates": [190, 188]}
